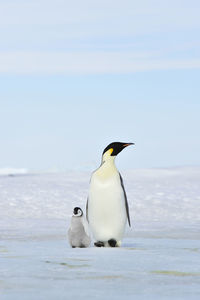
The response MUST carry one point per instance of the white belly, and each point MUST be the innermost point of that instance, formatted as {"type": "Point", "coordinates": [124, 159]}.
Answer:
{"type": "Point", "coordinates": [106, 208]}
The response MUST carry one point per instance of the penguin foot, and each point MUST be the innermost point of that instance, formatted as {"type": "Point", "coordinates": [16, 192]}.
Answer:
{"type": "Point", "coordinates": [99, 244]}
{"type": "Point", "coordinates": [112, 243]}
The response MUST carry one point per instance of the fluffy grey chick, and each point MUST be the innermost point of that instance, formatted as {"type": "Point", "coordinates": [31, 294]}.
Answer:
{"type": "Point", "coordinates": [78, 233]}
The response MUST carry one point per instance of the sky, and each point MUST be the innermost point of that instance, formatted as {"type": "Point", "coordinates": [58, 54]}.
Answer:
{"type": "Point", "coordinates": [77, 75]}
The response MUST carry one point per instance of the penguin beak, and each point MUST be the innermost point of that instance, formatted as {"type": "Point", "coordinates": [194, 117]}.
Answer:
{"type": "Point", "coordinates": [128, 144]}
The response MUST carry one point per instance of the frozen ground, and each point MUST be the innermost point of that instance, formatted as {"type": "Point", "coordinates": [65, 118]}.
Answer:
{"type": "Point", "coordinates": [159, 257]}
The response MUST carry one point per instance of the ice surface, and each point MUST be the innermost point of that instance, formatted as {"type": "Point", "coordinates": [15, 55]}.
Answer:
{"type": "Point", "coordinates": [159, 257]}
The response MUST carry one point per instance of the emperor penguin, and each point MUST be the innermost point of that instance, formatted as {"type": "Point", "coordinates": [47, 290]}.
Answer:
{"type": "Point", "coordinates": [78, 233]}
{"type": "Point", "coordinates": [107, 206]}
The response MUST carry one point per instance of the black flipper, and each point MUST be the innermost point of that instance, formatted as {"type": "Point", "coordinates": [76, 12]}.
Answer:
{"type": "Point", "coordinates": [126, 201]}
{"type": "Point", "coordinates": [87, 210]}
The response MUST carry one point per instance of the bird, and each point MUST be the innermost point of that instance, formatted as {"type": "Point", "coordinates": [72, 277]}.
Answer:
{"type": "Point", "coordinates": [107, 209]}
{"type": "Point", "coordinates": [78, 233]}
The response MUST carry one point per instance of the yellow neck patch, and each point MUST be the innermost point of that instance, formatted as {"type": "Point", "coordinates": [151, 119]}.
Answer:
{"type": "Point", "coordinates": [110, 151]}
{"type": "Point", "coordinates": [107, 155]}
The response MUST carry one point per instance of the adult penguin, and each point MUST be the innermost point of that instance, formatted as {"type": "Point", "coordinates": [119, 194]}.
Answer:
{"type": "Point", "coordinates": [107, 205]}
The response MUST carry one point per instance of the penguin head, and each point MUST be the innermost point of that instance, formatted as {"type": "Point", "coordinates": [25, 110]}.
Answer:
{"type": "Point", "coordinates": [77, 212]}
{"type": "Point", "coordinates": [111, 151]}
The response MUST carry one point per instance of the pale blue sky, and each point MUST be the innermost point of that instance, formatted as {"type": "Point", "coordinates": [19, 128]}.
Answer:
{"type": "Point", "coordinates": [77, 76]}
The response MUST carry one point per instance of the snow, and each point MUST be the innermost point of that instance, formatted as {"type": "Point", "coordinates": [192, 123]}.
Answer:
{"type": "Point", "coordinates": [159, 257]}
{"type": "Point", "coordinates": [12, 171]}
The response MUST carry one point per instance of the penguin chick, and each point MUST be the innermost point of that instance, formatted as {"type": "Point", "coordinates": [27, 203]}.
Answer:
{"type": "Point", "coordinates": [78, 234]}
